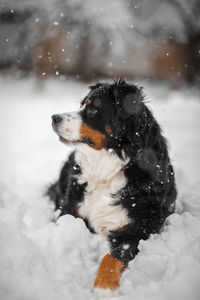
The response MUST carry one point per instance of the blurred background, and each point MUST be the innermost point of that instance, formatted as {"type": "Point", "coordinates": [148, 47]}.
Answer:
{"type": "Point", "coordinates": [89, 40]}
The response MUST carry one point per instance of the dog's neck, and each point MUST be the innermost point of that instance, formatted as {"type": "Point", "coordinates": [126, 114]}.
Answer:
{"type": "Point", "coordinates": [102, 164]}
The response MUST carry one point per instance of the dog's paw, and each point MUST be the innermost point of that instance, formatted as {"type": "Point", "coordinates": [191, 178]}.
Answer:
{"type": "Point", "coordinates": [101, 293]}
{"type": "Point", "coordinates": [107, 281]}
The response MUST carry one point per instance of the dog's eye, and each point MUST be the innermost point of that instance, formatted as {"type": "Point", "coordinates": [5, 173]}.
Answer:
{"type": "Point", "coordinates": [91, 110]}
{"type": "Point", "coordinates": [97, 102]}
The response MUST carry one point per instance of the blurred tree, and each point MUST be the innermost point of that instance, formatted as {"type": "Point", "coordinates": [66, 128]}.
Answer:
{"type": "Point", "coordinates": [89, 38]}
{"type": "Point", "coordinates": [171, 21]}
{"type": "Point", "coordinates": [189, 12]}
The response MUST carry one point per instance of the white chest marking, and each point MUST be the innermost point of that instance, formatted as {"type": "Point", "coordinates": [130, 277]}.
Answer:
{"type": "Point", "coordinates": [101, 170]}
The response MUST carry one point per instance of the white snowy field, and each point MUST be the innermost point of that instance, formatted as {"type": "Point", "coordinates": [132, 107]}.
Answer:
{"type": "Point", "coordinates": [42, 260]}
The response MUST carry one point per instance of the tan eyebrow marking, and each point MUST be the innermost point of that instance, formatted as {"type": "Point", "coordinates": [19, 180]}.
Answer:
{"type": "Point", "coordinates": [89, 101]}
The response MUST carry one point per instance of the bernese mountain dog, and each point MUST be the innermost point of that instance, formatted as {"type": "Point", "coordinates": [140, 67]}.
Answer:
{"type": "Point", "coordinates": [119, 178]}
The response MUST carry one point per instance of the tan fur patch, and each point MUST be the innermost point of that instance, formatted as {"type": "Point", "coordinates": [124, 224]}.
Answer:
{"type": "Point", "coordinates": [109, 273]}
{"type": "Point", "coordinates": [89, 101]}
{"type": "Point", "coordinates": [82, 101]}
{"type": "Point", "coordinates": [122, 228]}
{"type": "Point", "coordinates": [95, 136]}
{"type": "Point", "coordinates": [108, 129]}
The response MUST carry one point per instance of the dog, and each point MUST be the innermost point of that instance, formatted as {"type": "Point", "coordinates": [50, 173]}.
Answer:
{"type": "Point", "coordinates": [119, 178]}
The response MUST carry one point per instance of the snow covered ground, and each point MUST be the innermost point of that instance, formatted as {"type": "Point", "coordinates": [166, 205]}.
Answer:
{"type": "Point", "coordinates": [42, 260]}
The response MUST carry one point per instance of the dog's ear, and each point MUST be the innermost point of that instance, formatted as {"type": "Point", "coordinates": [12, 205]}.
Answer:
{"type": "Point", "coordinates": [128, 100]}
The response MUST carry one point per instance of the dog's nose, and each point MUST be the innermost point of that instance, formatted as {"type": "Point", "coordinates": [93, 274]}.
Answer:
{"type": "Point", "coordinates": [56, 118]}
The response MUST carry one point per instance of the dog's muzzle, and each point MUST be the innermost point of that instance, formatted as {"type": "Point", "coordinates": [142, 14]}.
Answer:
{"type": "Point", "coordinates": [67, 126]}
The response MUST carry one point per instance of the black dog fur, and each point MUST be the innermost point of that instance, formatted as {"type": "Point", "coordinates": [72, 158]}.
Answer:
{"type": "Point", "coordinates": [150, 193]}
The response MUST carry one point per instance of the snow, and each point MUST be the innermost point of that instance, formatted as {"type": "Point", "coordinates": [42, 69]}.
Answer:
{"type": "Point", "coordinates": [41, 259]}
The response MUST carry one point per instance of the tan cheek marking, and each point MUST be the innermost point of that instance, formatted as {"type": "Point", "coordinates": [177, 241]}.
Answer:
{"type": "Point", "coordinates": [108, 129]}
{"type": "Point", "coordinates": [109, 273]}
{"type": "Point", "coordinates": [96, 136]}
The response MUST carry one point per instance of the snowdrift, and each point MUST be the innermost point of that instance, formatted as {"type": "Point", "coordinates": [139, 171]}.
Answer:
{"type": "Point", "coordinates": [41, 259]}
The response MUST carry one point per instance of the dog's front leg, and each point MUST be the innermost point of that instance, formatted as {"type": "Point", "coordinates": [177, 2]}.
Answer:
{"type": "Point", "coordinates": [107, 281]}
{"type": "Point", "coordinates": [124, 248]}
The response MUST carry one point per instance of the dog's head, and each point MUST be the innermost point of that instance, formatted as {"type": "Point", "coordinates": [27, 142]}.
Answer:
{"type": "Point", "coordinates": [112, 116]}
